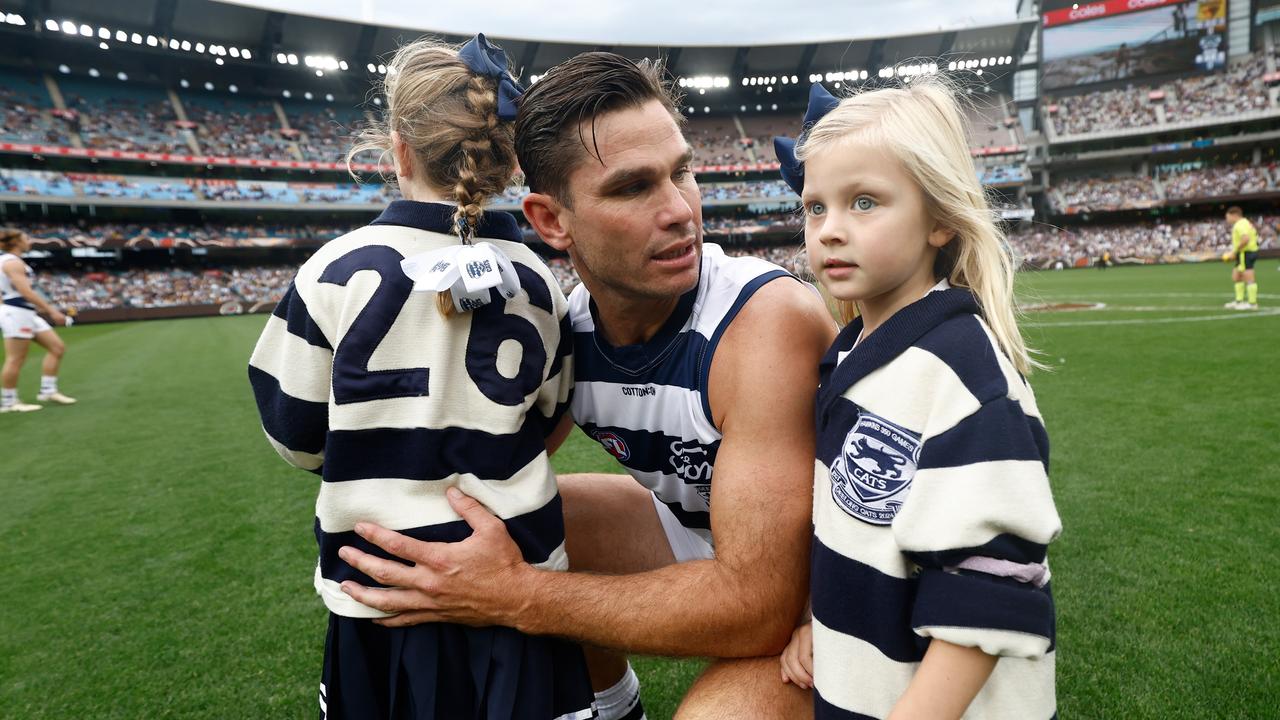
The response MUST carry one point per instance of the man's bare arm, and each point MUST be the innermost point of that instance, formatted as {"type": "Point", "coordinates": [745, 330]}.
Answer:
{"type": "Point", "coordinates": [745, 602]}
{"type": "Point", "coordinates": [22, 285]}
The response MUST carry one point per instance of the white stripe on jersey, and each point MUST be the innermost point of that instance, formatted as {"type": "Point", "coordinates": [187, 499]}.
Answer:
{"type": "Point", "coordinates": [610, 405]}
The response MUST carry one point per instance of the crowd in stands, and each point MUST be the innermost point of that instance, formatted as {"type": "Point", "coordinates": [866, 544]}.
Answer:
{"type": "Point", "coordinates": [1237, 90]}
{"type": "Point", "coordinates": [109, 117]}
{"type": "Point", "coordinates": [1241, 179]}
{"type": "Point", "coordinates": [1094, 194]}
{"type": "Point", "coordinates": [239, 128]}
{"type": "Point", "coordinates": [150, 235]}
{"type": "Point", "coordinates": [1124, 192]}
{"type": "Point", "coordinates": [1045, 245]}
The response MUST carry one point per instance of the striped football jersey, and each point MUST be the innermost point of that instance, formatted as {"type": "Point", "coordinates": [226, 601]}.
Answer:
{"type": "Point", "coordinates": [8, 291]}
{"type": "Point", "coordinates": [932, 514]}
{"type": "Point", "coordinates": [361, 380]}
{"type": "Point", "coordinates": [647, 404]}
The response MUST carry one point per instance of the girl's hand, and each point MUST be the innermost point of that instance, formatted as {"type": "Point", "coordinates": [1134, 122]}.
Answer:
{"type": "Point", "coordinates": [797, 658]}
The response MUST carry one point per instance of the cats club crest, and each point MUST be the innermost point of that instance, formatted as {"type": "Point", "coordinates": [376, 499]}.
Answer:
{"type": "Point", "coordinates": [872, 476]}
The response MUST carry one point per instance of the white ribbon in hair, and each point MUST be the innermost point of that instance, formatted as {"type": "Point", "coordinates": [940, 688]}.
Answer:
{"type": "Point", "coordinates": [469, 272]}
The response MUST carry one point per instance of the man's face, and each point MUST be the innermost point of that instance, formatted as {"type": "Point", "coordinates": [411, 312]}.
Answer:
{"type": "Point", "coordinates": [636, 217]}
{"type": "Point", "coordinates": [1232, 218]}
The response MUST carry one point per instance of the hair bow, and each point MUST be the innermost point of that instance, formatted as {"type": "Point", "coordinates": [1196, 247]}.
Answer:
{"type": "Point", "coordinates": [484, 58]}
{"type": "Point", "coordinates": [821, 102]}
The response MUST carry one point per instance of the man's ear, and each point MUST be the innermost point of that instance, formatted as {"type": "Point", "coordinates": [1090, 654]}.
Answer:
{"type": "Point", "coordinates": [548, 218]}
{"type": "Point", "coordinates": [402, 154]}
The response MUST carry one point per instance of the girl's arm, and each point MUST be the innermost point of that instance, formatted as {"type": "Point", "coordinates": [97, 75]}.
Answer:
{"type": "Point", "coordinates": [948, 679]}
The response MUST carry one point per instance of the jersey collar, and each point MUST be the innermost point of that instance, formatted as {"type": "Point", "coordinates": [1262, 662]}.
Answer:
{"type": "Point", "coordinates": [438, 217]}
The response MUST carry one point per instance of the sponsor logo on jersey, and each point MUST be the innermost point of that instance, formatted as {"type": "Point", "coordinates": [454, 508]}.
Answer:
{"type": "Point", "coordinates": [440, 266]}
{"type": "Point", "coordinates": [470, 303]}
{"type": "Point", "coordinates": [613, 444]}
{"type": "Point", "coordinates": [690, 461]}
{"type": "Point", "coordinates": [871, 478]}
{"type": "Point", "coordinates": [705, 492]}
{"type": "Point", "coordinates": [479, 268]}
{"type": "Point", "coordinates": [638, 390]}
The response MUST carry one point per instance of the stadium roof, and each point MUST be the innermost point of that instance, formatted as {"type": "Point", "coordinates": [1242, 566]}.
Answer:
{"type": "Point", "coordinates": [666, 22]}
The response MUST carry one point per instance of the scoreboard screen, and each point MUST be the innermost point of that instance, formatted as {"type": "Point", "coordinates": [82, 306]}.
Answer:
{"type": "Point", "coordinates": [1084, 43]}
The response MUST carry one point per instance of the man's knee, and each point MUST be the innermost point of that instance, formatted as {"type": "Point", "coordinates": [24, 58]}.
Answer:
{"type": "Point", "coordinates": [745, 688]}
{"type": "Point", "coordinates": [611, 525]}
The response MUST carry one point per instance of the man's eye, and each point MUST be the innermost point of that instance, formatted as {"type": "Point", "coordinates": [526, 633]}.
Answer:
{"type": "Point", "coordinates": [864, 203]}
{"type": "Point", "coordinates": [683, 173]}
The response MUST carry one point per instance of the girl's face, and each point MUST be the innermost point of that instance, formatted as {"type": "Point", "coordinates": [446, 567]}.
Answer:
{"type": "Point", "coordinates": [868, 233]}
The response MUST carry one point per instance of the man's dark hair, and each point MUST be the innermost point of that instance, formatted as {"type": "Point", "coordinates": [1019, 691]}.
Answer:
{"type": "Point", "coordinates": [549, 138]}
{"type": "Point", "coordinates": [1235, 210]}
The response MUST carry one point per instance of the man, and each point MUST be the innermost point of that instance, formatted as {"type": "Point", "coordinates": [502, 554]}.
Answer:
{"type": "Point", "coordinates": [689, 365]}
{"type": "Point", "coordinates": [1243, 255]}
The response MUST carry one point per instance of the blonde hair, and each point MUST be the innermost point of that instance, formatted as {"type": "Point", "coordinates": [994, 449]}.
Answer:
{"type": "Point", "coordinates": [9, 238]}
{"type": "Point", "coordinates": [923, 127]}
{"type": "Point", "coordinates": [448, 116]}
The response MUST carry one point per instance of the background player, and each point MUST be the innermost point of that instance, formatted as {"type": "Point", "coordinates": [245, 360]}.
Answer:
{"type": "Point", "coordinates": [20, 324]}
{"type": "Point", "coordinates": [396, 402]}
{"type": "Point", "coordinates": [1243, 255]}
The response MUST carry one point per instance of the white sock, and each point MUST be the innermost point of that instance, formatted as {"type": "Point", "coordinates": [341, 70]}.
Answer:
{"type": "Point", "coordinates": [8, 397]}
{"type": "Point", "coordinates": [617, 701]}
{"type": "Point", "coordinates": [48, 384]}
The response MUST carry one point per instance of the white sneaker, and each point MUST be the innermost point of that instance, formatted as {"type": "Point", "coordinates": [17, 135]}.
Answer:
{"type": "Point", "coordinates": [1248, 306]}
{"type": "Point", "coordinates": [1233, 305]}
{"type": "Point", "coordinates": [56, 398]}
{"type": "Point", "coordinates": [20, 407]}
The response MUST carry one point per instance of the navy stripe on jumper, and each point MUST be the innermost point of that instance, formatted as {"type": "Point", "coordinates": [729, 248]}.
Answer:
{"type": "Point", "coordinates": [537, 534]}
{"type": "Point", "coordinates": [856, 599]}
{"type": "Point", "coordinates": [297, 424]}
{"type": "Point", "coordinates": [999, 430]}
{"type": "Point", "coordinates": [964, 346]}
{"type": "Point", "coordinates": [432, 454]}
{"type": "Point", "coordinates": [591, 365]}
{"type": "Point", "coordinates": [652, 451]}
{"type": "Point", "coordinates": [704, 357]}
{"type": "Point", "coordinates": [298, 320]}
{"type": "Point", "coordinates": [824, 710]}
{"type": "Point", "coordinates": [1004, 546]}
{"type": "Point", "coordinates": [837, 419]}
{"type": "Point", "coordinates": [19, 302]}
{"type": "Point", "coordinates": [983, 602]}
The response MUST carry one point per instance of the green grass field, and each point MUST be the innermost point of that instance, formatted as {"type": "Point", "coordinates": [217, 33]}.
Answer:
{"type": "Point", "coordinates": [159, 555]}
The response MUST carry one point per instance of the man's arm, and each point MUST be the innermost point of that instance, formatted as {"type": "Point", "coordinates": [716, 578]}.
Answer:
{"type": "Point", "coordinates": [745, 602]}
{"type": "Point", "coordinates": [22, 285]}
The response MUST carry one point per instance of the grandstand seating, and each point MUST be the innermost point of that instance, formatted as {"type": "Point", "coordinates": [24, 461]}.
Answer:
{"type": "Point", "coordinates": [1045, 245]}
{"type": "Point", "coordinates": [124, 116]}
{"type": "Point", "coordinates": [1098, 194]}
{"type": "Point", "coordinates": [25, 111]}
{"type": "Point", "coordinates": [238, 127]}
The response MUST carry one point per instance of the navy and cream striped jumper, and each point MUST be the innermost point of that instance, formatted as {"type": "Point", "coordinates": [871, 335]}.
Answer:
{"type": "Point", "coordinates": [648, 404]}
{"type": "Point", "coordinates": [11, 295]}
{"type": "Point", "coordinates": [932, 514]}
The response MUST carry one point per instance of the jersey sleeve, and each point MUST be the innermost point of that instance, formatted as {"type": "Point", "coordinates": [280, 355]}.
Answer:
{"type": "Point", "coordinates": [977, 522]}
{"type": "Point", "coordinates": [290, 371]}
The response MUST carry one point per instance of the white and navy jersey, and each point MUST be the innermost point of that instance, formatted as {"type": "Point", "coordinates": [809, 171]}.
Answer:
{"type": "Point", "coordinates": [11, 296]}
{"type": "Point", "coordinates": [647, 404]}
{"type": "Point", "coordinates": [932, 514]}
{"type": "Point", "coordinates": [362, 381]}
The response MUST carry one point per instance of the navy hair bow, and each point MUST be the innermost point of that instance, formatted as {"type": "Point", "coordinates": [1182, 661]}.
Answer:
{"type": "Point", "coordinates": [484, 58]}
{"type": "Point", "coordinates": [821, 102]}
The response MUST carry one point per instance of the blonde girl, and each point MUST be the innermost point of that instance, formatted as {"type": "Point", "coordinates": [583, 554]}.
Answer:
{"type": "Point", "coordinates": [420, 354]}
{"type": "Point", "coordinates": [930, 587]}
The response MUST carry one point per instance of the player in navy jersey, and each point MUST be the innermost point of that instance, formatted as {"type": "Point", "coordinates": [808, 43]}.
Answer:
{"type": "Point", "coordinates": [698, 373]}
{"type": "Point", "coordinates": [415, 356]}
{"type": "Point", "coordinates": [20, 324]}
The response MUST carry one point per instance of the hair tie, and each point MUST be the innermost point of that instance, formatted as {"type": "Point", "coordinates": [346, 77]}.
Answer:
{"type": "Point", "coordinates": [484, 58]}
{"type": "Point", "coordinates": [821, 102]}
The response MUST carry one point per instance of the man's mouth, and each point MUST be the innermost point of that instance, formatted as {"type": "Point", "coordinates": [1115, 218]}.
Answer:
{"type": "Point", "coordinates": [675, 253]}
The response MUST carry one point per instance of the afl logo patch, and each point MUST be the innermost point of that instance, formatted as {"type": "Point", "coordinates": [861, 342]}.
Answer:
{"type": "Point", "coordinates": [871, 478]}
{"type": "Point", "coordinates": [614, 444]}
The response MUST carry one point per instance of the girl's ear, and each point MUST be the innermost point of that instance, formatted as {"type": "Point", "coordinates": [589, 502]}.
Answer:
{"type": "Point", "coordinates": [940, 236]}
{"type": "Point", "coordinates": [402, 154]}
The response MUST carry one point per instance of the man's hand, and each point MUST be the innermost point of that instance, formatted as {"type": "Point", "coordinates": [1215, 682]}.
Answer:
{"type": "Point", "coordinates": [473, 582]}
{"type": "Point", "coordinates": [57, 318]}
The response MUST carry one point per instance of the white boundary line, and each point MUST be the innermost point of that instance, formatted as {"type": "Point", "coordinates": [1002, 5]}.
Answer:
{"type": "Point", "coordinates": [1235, 315]}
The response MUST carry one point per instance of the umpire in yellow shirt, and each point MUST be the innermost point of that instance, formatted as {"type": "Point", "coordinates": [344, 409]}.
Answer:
{"type": "Point", "coordinates": [1244, 253]}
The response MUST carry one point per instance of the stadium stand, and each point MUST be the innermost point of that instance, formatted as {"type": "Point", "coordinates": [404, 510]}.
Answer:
{"type": "Point", "coordinates": [124, 116]}
{"type": "Point", "coordinates": [26, 111]}
{"type": "Point", "coordinates": [1182, 240]}
{"type": "Point", "coordinates": [238, 127]}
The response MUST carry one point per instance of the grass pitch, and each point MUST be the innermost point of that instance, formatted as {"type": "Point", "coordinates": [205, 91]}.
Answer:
{"type": "Point", "coordinates": [159, 555]}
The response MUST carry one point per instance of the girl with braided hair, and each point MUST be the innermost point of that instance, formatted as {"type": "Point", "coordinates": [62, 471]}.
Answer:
{"type": "Point", "coordinates": [425, 352]}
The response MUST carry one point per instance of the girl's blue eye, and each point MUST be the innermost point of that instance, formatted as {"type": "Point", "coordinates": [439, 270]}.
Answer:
{"type": "Point", "coordinates": [864, 203]}
{"type": "Point", "coordinates": [817, 208]}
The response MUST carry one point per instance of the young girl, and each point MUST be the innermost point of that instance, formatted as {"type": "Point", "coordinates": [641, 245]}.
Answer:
{"type": "Point", "coordinates": [932, 509]}
{"type": "Point", "coordinates": [393, 396]}
{"type": "Point", "coordinates": [20, 324]}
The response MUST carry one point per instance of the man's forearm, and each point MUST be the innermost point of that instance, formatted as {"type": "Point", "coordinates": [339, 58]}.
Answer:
{"type": "Point", "coordinates": [696, 608]}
